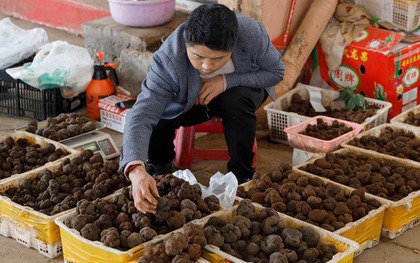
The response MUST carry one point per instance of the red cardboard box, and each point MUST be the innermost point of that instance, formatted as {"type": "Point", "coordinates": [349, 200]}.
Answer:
{"type": "Point", "coordinates": [112, 116]}
{"type": "Point", "coordinates": [380, 66]}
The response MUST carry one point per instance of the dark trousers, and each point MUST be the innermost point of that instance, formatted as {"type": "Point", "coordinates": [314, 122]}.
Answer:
{"type": "Point", "coordinates": [236, 107]}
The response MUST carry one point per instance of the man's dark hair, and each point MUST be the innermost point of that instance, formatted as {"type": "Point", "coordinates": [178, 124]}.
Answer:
{"type": "Point", "coordinates": [214, 26]}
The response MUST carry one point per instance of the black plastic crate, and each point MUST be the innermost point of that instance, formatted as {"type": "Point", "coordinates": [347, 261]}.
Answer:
{"type": "Point", "coordinates": [21, 99]}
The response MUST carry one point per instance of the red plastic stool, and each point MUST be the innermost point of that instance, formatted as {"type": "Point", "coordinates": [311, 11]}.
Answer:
{"type": "Point", "coordinates": [186, 153]}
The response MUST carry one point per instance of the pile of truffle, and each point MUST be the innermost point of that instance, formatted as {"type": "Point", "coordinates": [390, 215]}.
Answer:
{"type": "Point", "coordinates": [385, 178]}
{"type": "Point", "coordinates": [185, 246]}
{"type": "Point", "coordinates": [19, 156]}
{"type": "Point", "coordinates": [309, 198]}
{"type": "Point", "coordinates": [261, 236]}
{"type": "Point", "coordinates": [322, 130]}
{"type": "Point", "coordinates": [118, 224]}
{"type": "Point", "coordinates": [56, 190]}
{"type": "Point", "coordinates": [413, 118]}
{"type": "Point", "coordinates": [303, 107]}
{"type": "Point", "coordinates": [63, 126]}
{"type": "Point", "coordinates": [391, 141]}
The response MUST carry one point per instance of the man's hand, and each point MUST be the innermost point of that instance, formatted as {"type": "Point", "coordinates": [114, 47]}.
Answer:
{"type": "Point", "coordinates": [144, 190]}
{"type": "Point", "coordinates": [210, 89]}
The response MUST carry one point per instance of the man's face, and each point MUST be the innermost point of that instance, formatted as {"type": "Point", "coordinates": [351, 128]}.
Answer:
{"type": "Point", "coordinates": [206, 60]}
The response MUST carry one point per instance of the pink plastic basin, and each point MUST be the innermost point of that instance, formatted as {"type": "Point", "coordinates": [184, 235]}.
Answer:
{"type": "Point", "coordinates": [142, 13]}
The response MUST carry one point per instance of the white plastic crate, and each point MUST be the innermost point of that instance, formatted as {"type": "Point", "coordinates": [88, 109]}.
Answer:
{"type": "Point", "coordinates": [27, 237]}
{"type": "Point", "coordinates": [399, 120]}
{"type": "Point", "coordinates": [401, 13]}
{"type": "Point", "coordinates": [279, 118]}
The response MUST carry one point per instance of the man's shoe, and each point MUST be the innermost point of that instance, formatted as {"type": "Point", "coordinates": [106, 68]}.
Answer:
{"type": "Point", "coordinates": [157, 169]}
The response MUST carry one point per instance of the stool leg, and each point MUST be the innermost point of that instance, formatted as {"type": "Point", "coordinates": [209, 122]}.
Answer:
{"type": "Point", "coordinates": [184, 144]}
{"type": "Point", "coordinates": [254, 149]}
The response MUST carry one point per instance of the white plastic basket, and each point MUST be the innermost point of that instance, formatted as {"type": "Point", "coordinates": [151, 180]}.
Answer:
{"type": "Point", "coordinates": [399, 120]}
{"type": "Point", "coordinates": [401, 13]}
{"type": "Point", "coordinates": [279, 118]}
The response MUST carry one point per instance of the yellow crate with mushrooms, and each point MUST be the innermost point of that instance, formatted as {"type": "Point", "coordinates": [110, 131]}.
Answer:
{"type": "Point", "coordinates": [118, 232]}
{"type": "Point", "coordinates": [29, 204]}
{"type": "Point", "coordinates": [389, 140]}
{"type": "Point", "coordinates": [24, 153]}
{"type": "Point", "coordinates": [320, 202]}
{"type": "Point", "coordinates": [248, 232]}
{"type": "Point", "coordinates": [387, 179]}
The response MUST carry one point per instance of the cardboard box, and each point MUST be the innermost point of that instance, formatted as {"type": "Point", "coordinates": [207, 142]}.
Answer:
{"type": "Point", "coordinates": [112, 116]}
{"type": "Point", "coordinates": [380, 66]}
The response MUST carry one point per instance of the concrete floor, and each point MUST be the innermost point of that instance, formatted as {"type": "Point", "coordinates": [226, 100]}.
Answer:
{"type": "Point", "coordinates": [404, 249]}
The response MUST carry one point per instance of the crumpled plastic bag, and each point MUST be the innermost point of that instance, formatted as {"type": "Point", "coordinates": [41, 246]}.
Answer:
{"type": "Point", "coordinates": [223, 186]}
{"type": "Point", "coordinates": [17, 44]}
{"type": "Point", "coordinates": [58, 65]}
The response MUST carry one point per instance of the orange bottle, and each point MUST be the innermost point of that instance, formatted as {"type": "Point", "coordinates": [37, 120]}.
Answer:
{"type": "Point", "coordinates": [100, 87]}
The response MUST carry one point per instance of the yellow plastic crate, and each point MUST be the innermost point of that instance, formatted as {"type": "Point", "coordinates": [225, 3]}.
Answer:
{"type": "Point", "coordinates": [376, 132]}
{"type": "Point", "coordinates": [399, 120]}
{"type": "Point", "coordinates": [346, 247]}
{"type": "Point", "coordinates": [33, 139]}
{"type": "Point", "coordinates": [28, 227]}
{"type": "Point", "coordinates": [366, 231]}
{"type": "Point", "coordinates": [399, 215]}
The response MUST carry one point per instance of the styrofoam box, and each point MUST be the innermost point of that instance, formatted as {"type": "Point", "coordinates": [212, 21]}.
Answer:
{"type": "Point", "coordinates": [399, 215]}
{"type": "Point", "coordinates": [345, 246]}
{"type": "Point", "coordinates": [316, 145]}
{"type": "Point", "coordinates": [399, 120]}
{"type": "Point", "coordinates": [369, 225]}
{"type": "Point", "coordinates": [376, 133]}
{"type": "Point", "coordinates": [33, 138]}
{"type": "Point", "coordinates": [279, 118]}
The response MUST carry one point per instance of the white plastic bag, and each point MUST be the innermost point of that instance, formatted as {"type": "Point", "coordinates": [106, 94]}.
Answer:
{"type": "Point", "coordinates": [59, 65]}
{"type": "Point", "coordinates": [223, 186]}
{"type": "Point", "coordinates": [17, 44]}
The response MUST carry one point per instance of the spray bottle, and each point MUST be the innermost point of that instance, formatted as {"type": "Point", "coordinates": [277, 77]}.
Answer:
{"type": "Point", "coordinates": [100, 87]}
